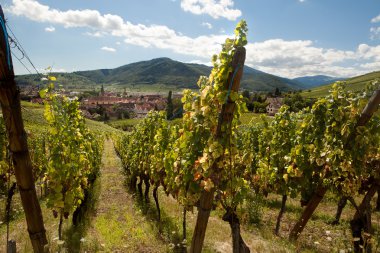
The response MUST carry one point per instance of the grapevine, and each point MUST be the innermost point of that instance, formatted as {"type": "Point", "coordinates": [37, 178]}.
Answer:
{"type": "Point", "coordinates": [73, 154]}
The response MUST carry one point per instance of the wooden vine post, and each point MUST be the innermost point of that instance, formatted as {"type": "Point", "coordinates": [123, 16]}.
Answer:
{"type": "Point", "coordinates": [11, 108]}
{"type": "Point", "coordinates": [362, 217]}
{"type": "Point", "coordinates": [226, 116]}
{"type": "Point", "coordinates": [308, 212]}
{"type": "Point", "coordinates": [365, 116]}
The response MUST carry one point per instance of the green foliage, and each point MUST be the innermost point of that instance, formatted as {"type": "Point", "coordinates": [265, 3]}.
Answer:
{"type": "Point", "coordinates": [325, 140]}
{"type": "Point", "coordinates": [254, 207]}
{"type": "Point", "coordinates": [38, 154]}
{"type": "Point", "coordinates": [296, 102]}
{"type": "Point", "coordinates": [256, 102]}
{"type": "Point", "coordinates": [246, 94]}
{"type": "Point", "coordinates": [277, 92]}
{"type": "Point", "coordinates": [73, 154]}
{"type": "Point", "coordinates": [276, 142]}
{"type": "Point", "coordinates": [69, 81]}
{"type": "Point", "coordinates": [322, 144]}
{"type": "Point", "coordinates": [258, 107]}
{"type": "Point", "coordinates": [169, 107]}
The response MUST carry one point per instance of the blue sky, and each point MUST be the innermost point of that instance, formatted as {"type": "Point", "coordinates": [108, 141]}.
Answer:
{"type": "Point", "coordinates": [289, 38]}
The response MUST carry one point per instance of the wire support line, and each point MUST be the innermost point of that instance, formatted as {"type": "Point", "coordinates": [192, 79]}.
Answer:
{"type": "Point", "coordinates": [16, 44]}
{"type": "Point", "coordinates": [20, 60]}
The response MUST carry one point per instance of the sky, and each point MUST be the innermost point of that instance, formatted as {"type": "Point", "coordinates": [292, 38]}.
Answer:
{"type": "Point", "coordinates": [289, 38]}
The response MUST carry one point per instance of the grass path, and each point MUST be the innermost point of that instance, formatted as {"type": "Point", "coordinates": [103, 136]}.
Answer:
{"type": "Point", "coordinates": [118, 225]}
{"type": "Point", "coordinates": [123, 223]}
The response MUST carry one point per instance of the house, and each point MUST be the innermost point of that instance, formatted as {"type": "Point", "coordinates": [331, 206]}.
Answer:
{"type": "Point", "coordinates": [142, 110]}
{"type": "Point", "coordinates": [274, 104]}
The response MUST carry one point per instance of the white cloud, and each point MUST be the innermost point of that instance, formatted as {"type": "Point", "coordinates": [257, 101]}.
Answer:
{"type": "Point", "coordinates": [376, 19]}
{"type": "Point", "coordinates": [301, 1]}
{"type": "Point", "coordinates": [59, 70]}
{"type": "Point", "coordinates": [276, 56]}
{"type": "Point", "coordinates": [50, 29]}
{"type": "Point", "coordinates": [118, 43]}
{"type": "Point", "coordinates": [51, 70]}
{"type": "Point", "coordinates": [108, 49]}
{"type": "Point", "coordinates": [96, 34]}
{"type": "Point", "coordinates": [137, 34]}
{"type": "Point", "coordinates": [206, 24]}
{"type": "Point", "coordinates": [300, 58]}
{"type": "Point", "coordinates": [214, 8]}
{"type": "Point", "coordinates": [207, 63]}
{"type": "Point", "coordinates": [373, 66]}
{"type": "Point", "coordinates": [375, 33]}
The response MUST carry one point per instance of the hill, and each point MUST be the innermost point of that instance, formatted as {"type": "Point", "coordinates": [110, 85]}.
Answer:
{"type": "Point", "coordinates": [160, 72]}
{"type": "Point", "coordinates": [318, 80]}
{"type": "Point", "coordinates": [69, 81]}
{"type": "Point", "coordinates": [355, 83]}
{"type": "Point", "coordinates": [182, 75]}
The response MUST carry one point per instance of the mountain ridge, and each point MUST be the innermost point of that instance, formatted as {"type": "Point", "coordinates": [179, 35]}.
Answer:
{"type": "Point", "coordinates": [167, 72]}
{"type": "Point", "coordinates": [183, 75]}
{"type": "Point", "coordinates": [317, 80]}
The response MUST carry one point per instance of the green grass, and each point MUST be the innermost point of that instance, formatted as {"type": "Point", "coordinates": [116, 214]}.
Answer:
{"type": "Point", "coordinates": [68, 81]}
{"type": "Point", "coordinates": [35, 123]}
{"type": "Point", "coordinates": [33, 116]}
{"type": "Point", "coordinates": [355, 84]}
{"type": "Point", "coordinates": [124, 124]}
{"type": "Point", "coordinates": [118, 225]}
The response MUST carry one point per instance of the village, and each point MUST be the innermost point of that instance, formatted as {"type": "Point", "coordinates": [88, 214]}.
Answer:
{"type": "Point", "coordinates": [106, 105]}
{"type": "Point", "coordinates": [110, 105]}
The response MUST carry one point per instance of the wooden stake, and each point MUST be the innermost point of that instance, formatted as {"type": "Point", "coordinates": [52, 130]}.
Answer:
{"type": "Point", "coordinates": [11, 108]}
{"type": "Point", "coordinates": [226, 115]}
{"type": "Point", "coordinates": [365, 116]}
{"type": "Point", "coordinates": [11, 247]}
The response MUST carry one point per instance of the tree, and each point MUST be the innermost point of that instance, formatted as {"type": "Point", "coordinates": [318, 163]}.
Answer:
{"type": "Point", "coordinates": [277, 92]}
{"type": "Point", "coordinates": [248, 100]}
{"type": "Point", "coordinates": [246, 94]}
{"type": "Point", "coordinates": [169, 107]}
{"type": "Point", "coordinates": [105, 116]}
{"type": "Point", "coordinates": [259, 107]}
{"type": "Point", "coordinates": [296, 102]}
{"type": "Point", "coordinates": [102, 91]}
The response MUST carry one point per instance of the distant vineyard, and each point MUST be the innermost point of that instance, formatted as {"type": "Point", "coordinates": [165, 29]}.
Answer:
{"type": "Point", "coordinates": [358, 83]}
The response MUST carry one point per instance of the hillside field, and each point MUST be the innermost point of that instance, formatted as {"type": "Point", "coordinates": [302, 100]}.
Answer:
{"type": "Point", "coordinates": [356, 84]}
